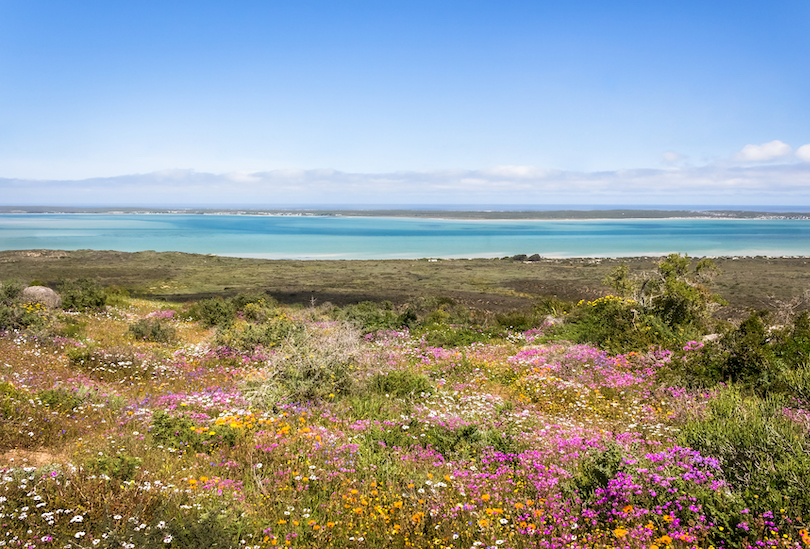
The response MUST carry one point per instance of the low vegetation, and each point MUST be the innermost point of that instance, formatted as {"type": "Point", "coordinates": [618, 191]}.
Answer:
{"type": "Point", "coordinates": [635, 420]}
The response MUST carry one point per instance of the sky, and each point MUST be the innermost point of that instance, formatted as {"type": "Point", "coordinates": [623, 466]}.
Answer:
{"type": "Point", "coordinates": [262, 103]}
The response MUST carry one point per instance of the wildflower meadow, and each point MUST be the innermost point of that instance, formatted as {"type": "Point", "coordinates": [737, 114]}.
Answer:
{"type": "Point", "coordinates": [243, 423]}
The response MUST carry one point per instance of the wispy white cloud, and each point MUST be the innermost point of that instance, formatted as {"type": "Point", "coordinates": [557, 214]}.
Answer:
{"type": "Point", "coordinates": [714, 184]}
{"type": "Point", "coordinates": [803, 152]}
{"type": "Point", "coordinates": [764, 152]}
{"type": "Point", "coordinates": [242, 177]}
{"type": "Point", "coordinates": [671, 157]}
{"type": "Point", "coordinates": [516, 172]}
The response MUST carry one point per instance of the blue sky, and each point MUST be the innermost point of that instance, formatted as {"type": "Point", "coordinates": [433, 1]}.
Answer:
{"type": "Point", "coordinates": [412, 101]}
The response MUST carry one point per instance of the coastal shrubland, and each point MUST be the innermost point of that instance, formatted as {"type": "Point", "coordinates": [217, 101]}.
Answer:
{"type": "Point", "coordinates": [239, 421]}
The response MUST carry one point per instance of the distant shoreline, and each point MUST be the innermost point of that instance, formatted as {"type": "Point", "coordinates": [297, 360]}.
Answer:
{"type": "Point", "coordinates": [501, 215]}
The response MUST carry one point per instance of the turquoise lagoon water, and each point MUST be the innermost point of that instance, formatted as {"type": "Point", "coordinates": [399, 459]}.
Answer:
{"type": "Point", "coordinates": [306, 237]}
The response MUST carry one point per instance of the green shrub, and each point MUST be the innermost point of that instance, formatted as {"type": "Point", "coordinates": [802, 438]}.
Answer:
{"type": "Point", "coordinates": [401, 383]}
{"type": "Point", "coordinates": [255, 307]}
{"type": "Point", "coordinates": [120, 467]}
{"type": "Point", "coordinates": [791, 345]}
{"type": "Point", "coordinates": [79, 356]}
{"type": "Point", "coordinates": [455, 443]}
{"type": "Point", "coordinates": [72, 327]}
{"type": "Point", "coordinates": [517, 320]}
{"type": "Point", "coordinates": [371, 405]}
{"type": "Point", "coordinates": [676, 294]}
{"type": "Point", "coordinates": [152, 330]}
{"type": "Point", "coordinates": [10, 291]}
{"type": "Point", "coordinates": [613, 323]}
{"type": "Point", "coordinates": [371, 317]}
{"type": "Point", "coordinates": [82, 294]}
{"type": "Point", "coordinates": [753, 355]}
{"type": "Point", "coordinates": [60, 399]}
{"type": "Point", "coordinates": [249, 337]}
{"type": "Point", "coordinates": [10, 397]}
{"type": "Point", "coordinates": [796, 380]}
{"type": "Point", "coordinates": [747, 355]}
{"type": "Point", "coordinates": [116, 295]}
{"type": "Point", "coordinates": [504, 441]}
{"type": "Point", "coordinates": [214, 312]}
{"type": "Point", "coordinates": [596, 469]}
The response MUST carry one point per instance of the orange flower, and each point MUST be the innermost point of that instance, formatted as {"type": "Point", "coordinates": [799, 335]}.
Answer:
{"type": "Point", "coordinates": [485, 497]}
{"type": "Point", "coordinates": [620, 532]}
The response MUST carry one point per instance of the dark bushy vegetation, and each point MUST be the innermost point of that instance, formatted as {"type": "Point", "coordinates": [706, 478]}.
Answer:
{"type": "Point", "coordinates": [82, 294]}
{"type": "Point", "coordinates": [153, 330]}
{"type": "Point", "coordinates": [223, 312]}
{"type": "Point", "coordinates": [401, 383]}
{"type": "Point", "coordinates": [667, 307]}
{"type": "Point", "coordinates": [371, 317]}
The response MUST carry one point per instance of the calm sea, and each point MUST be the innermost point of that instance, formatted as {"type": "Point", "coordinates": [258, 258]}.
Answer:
{"type": "Point", "coordinates": [294, 237]}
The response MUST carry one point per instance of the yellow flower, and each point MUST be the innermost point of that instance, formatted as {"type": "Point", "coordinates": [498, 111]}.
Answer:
{"type": "Point", "coordinates": [619, 532]}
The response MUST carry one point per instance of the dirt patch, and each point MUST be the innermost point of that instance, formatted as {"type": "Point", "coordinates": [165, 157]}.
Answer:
{"type": "Point", "coordinates": [27, 458]}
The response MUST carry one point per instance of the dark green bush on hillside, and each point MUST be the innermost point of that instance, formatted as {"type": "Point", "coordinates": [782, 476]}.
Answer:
{"type": "Point", "coordinates": [254, 307]}
{"type": "Point", "coordinates": [217, 311]}
{"type": "Point", "coordinates": [270, 333]}
{"type": "Point", "coordinates": [401, 383]}
{"type": "Point", "coordinates": [213, 312]}
{"type": "Point", "coordinates": [82, 294]}
{"type": "Point", "coordinates": [152, 330]}
{"type": "Point", "coordinates": [667, 307]}
{"type": "Point", "coordinates": [617, 325]}
{"type": "Point", "coordinates": [371, 317]}
{"type": "Point", "coordinates": [10, 291]}
{"type": "Point", "coordinates": [754, 355]}
{"type": "Point", "coordinates": [517, 320]}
